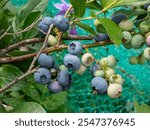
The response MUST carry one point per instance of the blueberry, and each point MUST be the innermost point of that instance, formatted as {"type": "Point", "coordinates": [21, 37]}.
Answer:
{"type": "Point", "coordinates": [42, 76]}
{"type": "Point", "coordinates": [117, 18]}
{"type": "Point", "coordinates": [75, 48]}
{"type": "Point", "coordinates": [114, 90]}
{"type": "Point", "coordinates": [73, 31]}
{"type": "Point", "coordinates": [126, 37]}
{"type": "Point", "coordinates": [61, 23]}
{"type": "Point", "coordinates": [45, 24]}
{"type": "Point", "coordinates": [126, 25]}
{"type": "Point", "coordinates": [47, 21]}
{"type": "Point", "coordinates": [94, 67]}
{"type": "Point", "coordinates": [101, 37]}
{"type": "Point", "coordinates": [148, 41]}
{"type": "Point", "coordinates": [43, 28]}
{"type": "Point", "coordinates": [99, 84]}
{"type": "Point", "coordinates": [137, 41]}
{"type": "Point", "coordinates": [45, 60]}
{"type": "Point", "coordinates": [146, 6]}
{"type": "Point", "coordinates": [64, 78]}
{"type": "Point", "coordinates": [72, 62]}
{"type": "Point", "coordinates": [54, 87]}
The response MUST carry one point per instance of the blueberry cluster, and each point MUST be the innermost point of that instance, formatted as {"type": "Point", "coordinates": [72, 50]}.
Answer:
{"type": "Point", "coordinates": [105, 80]}
{"type": "Point", "coordinates": [49, 74]}
{"type": "Point", "coordinates": [59, 22]}
{"type": "Point", "coordinates": [134, 35]}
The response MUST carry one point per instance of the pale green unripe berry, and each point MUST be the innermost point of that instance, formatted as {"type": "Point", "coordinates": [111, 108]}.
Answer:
{"type": "Point", "coordinates": [99, 73]}
{"type": "Point", "coordinates": [137, 41]}
{"type": "Point", "coordinates": [133, 60]}
{"type": "Point", "coordinates": [116, 79]}
{"type": "Point", "coordinates": [81, 70]}
{"type": "Point", "coordinates": [111, 60]}
{"type": "Point", "coordinates": [147, 53]}
{"type": "Point", "coordinates": [144, 27]}
{"type": "Point", "coordinates": [109, 72]}
{"type": "Point", "coordinates": [148, 9]}
{"type": "Point", "coordinates": [52, 41]}
{"type": "Point", "coordinates": [62, 67]}
{"type": "Point", "coordinates": [127, 37]}
{"type": "Point", "coordinates": [126, 25]}
{"type": "Point", "coordinates": [96, 23]}
{"type": "Point", "coordinates": [87, 59]}
{"type": "Point", "coordinates": [141, 59]}
{"type": "Point", "coordinates": [104, 61]}
{"type": "Point", "coordinates": [114, 90]}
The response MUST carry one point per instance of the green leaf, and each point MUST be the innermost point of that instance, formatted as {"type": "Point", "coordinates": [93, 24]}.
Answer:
{"type": "Point", "coordinates": [41, 6]}
{"type": "Point", "coordinates": [55, 101]}
{"type": "Point", "coordinates": [92, 14]}
{"type": "Point", "coordinates": [131, 2]}
{"type": "Point", "coordinates": [86, 27]}
{"type": "Point", "coordinates": [2, 108]}
{"type": "Point", "coordinates": [3, 3]}
{"type": "Point", "coordinates": [104, 2]}
{"type": "Point", "coordinates": [93, 5]}
{"type": "Point", "coordinates": [113, 30]}
{"type": "Point", "coordinates": [29, 107]}
{"type": "Point", "coordinates": [131, 13]}
{"type": "Point", "coordinates": [143, 108]}
{"type": "Point", "coordinates": [32, 5]}
{"type": "Point", "coordinates": [79, 7]}
{"type": "Point", "coordinates": [32, 17]}
{"type": "Point", "coordinates": [8, 73]}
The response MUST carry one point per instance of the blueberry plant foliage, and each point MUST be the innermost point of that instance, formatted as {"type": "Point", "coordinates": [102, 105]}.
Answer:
{"type": "Point", "coordinates": [31, 80]}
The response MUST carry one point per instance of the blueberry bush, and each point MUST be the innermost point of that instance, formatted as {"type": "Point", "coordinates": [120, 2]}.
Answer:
{"type": "Point", "coordinates": [42, 54]}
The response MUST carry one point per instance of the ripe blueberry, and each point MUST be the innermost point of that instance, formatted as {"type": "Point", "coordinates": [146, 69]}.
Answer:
{"type": "Point", "coordinates": [64, 78]}
{"type": "Point", "coordinates": [72, 62]}
{"type": "Point", "coordinates": [99, 84]}
{"type": "Point", "coordinates": [45, 60]}
{"type": "Point", "coordinates": [42, 76]}
{"type": "Point", "coordinates": [75, 48]}
{"type": "Point", "coordinates": [54, 87]}
{"type": "Point", "coordinates": [45, 24]}
{"type": "Point", "coordinates": [101, 37]}
{"type": "Point", "coordinates": [61, 23]}
{"type": "Point", "coordinates": [117, 18]}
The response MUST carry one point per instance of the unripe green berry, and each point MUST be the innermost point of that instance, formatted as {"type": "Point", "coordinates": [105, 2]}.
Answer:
{"type": "Point", "coordinates": [127, 37]}
{"type": "Point", "coordinates": [111, 61]}
{"type": "Point", "coordinates": [81, 70]}
{"type": "Point", "coordinates": [147, 53]}
{"type": "Point", "coordinates": [96, 23]}
{"type": "Point", "coordinates": [133, 60]}
{"type": "Point", "coordinates": [109, 72]}
{"type": "Point", "coordinates": [87, 59]}
{"type": "Point", "coordinates": [52, 41]}
{"type": "Point", "coordinates": [126, 25]}
{"type": "Point", "coordinates": [99, 73]}
{"type": "Point", "coordinates": [137, 41]}
{"type": "Point", "coordinates": [62, 67]}
{"type": "Point", "coordinates": [114, 90]}
{"type": "Point", "coordinates": [116, 79]}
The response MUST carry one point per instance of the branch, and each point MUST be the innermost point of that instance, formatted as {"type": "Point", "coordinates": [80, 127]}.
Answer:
{"type": "Point", "coordinates": [22, 31]}
{"type": "Point", "coordinates": [48, 50]}
{"type": "Point", "coordinates": [30, 70]}
{"type": "Point", "coordinates": [20, 44]}
{"type": "Point", "coordinates": [39, 40]}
